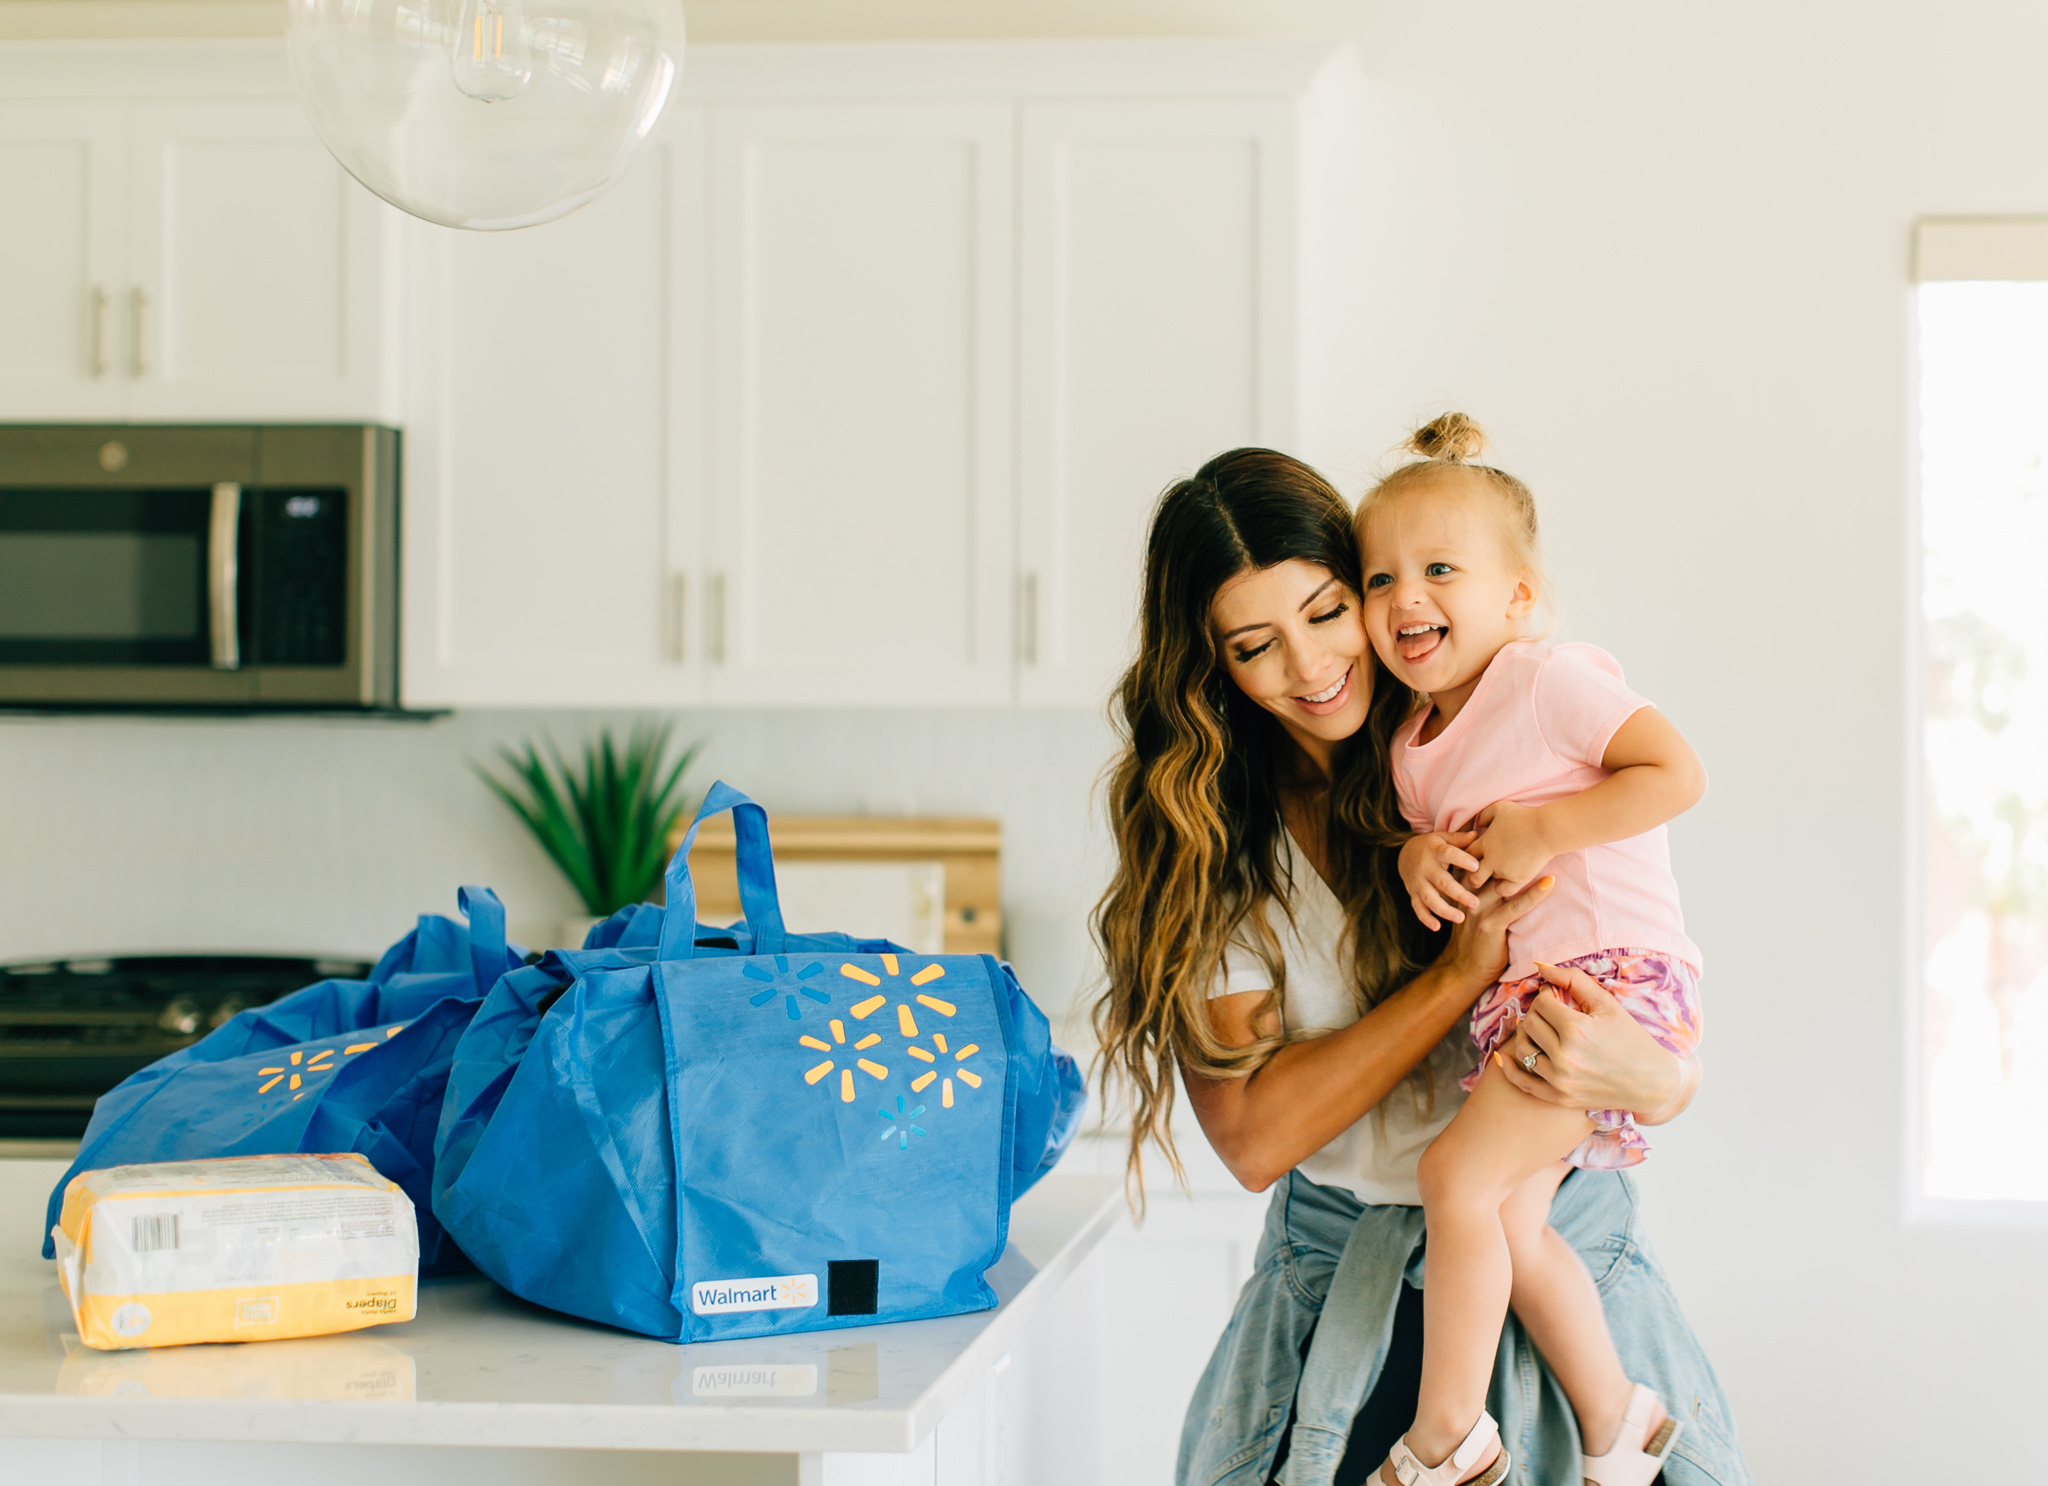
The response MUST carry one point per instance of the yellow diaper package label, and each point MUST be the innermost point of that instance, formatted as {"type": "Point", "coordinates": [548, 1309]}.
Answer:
{"type": "Point", "coordinates": [244, 1248]}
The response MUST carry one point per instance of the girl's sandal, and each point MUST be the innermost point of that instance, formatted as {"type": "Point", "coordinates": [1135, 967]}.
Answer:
{"type": "Point", "coordinates": [1635, 1464]}
{"type": "Point", "coordinates": [1410, 1471]}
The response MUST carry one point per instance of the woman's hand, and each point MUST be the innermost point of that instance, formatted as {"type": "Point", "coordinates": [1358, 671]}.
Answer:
{"type": "Point", "coordinates": [1434, 891]}
{"type": "Point", "coordinates": [1315, 1088]}
{"type": "Point", "coordinates": [1478, 950]}
{"type": "Point", "coordinates": [1595, 1055]}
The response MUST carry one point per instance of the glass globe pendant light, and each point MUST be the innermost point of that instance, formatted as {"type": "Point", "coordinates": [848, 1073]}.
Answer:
{"type": "Point", "coordinates": [486, 114]}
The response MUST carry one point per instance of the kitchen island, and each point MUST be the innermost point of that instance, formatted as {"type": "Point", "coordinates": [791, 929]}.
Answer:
{"type": "Point", "coordinates": [524, 1395]}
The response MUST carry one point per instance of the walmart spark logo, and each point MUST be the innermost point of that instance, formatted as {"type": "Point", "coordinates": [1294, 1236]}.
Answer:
{"type": "Point", "coordinates": [780, 981]}
{"type": "Point", "coordinates": [302, 1065]}
{"type": "Point", "coordinates": [906, 1025]}
{"type": "Point", "coordinates": [900, 1126]}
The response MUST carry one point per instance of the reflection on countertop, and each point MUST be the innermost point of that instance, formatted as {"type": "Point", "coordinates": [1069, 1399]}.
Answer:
{"type": "Point", "coordinates": [329, 1369]}
{"type": "Point", "coordinates": [851, 1376]}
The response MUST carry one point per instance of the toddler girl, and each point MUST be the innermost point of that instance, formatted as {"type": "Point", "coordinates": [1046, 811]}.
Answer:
{"type": "Point", "coordinates": [1559, 769]}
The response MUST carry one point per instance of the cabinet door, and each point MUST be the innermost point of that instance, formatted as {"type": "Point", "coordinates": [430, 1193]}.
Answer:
{"type": "Point", "coordinates": [861, 498]}
{"type": "Point", "coordinates": [1158, 330]}
{"type": "Point", "coordinates": [60, 248]}
{"type": "Point", "coordinates": [552, 536]}
{"type": "Point", "coordinates": [258, 273]}
{"type": "Point", "coordinates": [1170, 1288]}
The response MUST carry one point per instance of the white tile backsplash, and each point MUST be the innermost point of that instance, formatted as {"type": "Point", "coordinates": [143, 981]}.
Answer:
{"type": "Point", "coordinates": [329, 834]}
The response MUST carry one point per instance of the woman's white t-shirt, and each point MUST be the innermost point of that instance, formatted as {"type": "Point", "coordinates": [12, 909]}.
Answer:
{"type": "Point", "coordinates": [1375, 1158]}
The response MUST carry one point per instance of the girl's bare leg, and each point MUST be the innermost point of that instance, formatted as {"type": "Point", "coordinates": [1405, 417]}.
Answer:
{"type": "Point", "coordinates": [1557, 1301]}
{"type": "Point", "coordinates": [1500, 1139]}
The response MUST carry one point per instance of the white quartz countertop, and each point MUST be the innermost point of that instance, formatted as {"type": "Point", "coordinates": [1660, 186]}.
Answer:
{"type": "Point", "coordinates": [477, 1367]}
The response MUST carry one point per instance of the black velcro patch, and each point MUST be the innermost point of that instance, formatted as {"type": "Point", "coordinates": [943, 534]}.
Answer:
{"type": "Point", "coordinates": [850, 1286]}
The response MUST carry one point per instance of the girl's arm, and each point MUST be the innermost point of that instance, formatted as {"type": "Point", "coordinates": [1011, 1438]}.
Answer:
{"type": "Point", "coordinates": [1309, 1092]}
{"type": "Point", "coordinates": [1655, 776]}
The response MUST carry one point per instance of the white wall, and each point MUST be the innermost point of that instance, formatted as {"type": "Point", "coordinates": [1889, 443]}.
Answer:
{"type": "Point", "coordinates": [1661, 252]}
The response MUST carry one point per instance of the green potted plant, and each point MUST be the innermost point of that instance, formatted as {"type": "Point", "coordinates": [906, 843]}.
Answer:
{"type": "Point", "coordinates": [604, 821]}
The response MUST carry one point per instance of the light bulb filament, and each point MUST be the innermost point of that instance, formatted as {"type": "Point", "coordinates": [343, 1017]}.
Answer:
{"type": "Point", "coordinates": [497, 38]}
{"type": "Point", "coordinates": [494, 66]}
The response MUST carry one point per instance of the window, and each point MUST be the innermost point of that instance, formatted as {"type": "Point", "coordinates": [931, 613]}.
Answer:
{"type": "Point", "coordinates": [1983, 611]}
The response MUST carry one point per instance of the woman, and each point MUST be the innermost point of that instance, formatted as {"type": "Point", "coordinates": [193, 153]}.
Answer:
{"type": "Point", "coordinates": [1259, 945]}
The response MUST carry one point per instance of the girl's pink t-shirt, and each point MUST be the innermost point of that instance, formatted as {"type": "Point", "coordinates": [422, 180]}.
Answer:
{"type": "Point", "coordinates": [1535, 730]}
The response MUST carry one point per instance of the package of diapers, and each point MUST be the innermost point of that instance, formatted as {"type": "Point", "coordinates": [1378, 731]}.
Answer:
{"type": "Point", "coordinates": [243, 1248]}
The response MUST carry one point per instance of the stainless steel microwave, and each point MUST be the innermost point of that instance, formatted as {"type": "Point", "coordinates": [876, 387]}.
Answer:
{"type": "Point", "coordinates": [148, 566]}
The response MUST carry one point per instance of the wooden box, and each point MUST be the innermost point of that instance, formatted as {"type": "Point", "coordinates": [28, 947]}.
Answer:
{"type": "Point", "coordinates": [970, 847]}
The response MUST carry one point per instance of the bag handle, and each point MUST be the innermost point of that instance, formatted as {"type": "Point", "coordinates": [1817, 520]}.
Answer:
{"type": "Point", "coordinates": [486, 915]}
{"type": "Point", "coordinates": [756, 861]}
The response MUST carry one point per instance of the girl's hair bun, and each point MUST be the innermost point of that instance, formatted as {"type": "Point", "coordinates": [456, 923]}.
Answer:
{"type": "Point", "coordinates": [1452, 437]}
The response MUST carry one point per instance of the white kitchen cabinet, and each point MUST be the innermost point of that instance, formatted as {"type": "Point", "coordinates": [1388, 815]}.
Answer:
{"type": "Point", "coordinates": [257, 269]}
{"type": "Point", "coordinates": [752, 410]}
{"type": "Point", "coordinates": [61, 193]}
{"type": "Point", "coordinates": [196, 257]}
{"type": "Point", "coordinates": [1171, 1286]}
{"type": "Point", "coordinates": [1159, 312]}
{"type": "Point", "coordinates": [861, 403]}
{"type": "Point", "coordinates": [552, 526]}
{"type": "Point", "coordinates": [1167, 1289]}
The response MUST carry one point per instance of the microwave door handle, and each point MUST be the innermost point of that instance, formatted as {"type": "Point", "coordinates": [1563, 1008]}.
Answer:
{"type": "Point", "coordinates": [222, 576]}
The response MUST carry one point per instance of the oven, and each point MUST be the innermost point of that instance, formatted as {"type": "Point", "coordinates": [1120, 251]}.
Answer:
{"type": "Point", "coordinates": [213, 567]}
{"type": "Point", "coordinates": [72, 1029]}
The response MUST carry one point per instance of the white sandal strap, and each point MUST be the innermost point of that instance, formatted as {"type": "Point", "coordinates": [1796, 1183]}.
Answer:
{"type": "Point", "coordinates": [1630, 1462]}
{"type": "Point", "coordinates": [1642, 1402]}
{"type": "Point", "coordinates": [1410, 1471]}
{"type": "Point", "coordinates": [1483, 1433]}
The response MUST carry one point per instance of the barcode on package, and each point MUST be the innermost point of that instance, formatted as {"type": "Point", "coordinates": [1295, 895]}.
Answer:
{"type": "Point", "coordinates": [153, 1233]}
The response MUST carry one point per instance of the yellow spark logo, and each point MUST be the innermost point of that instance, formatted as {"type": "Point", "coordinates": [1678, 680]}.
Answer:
{"type": "Point", "coordinates": [302, 1065]}
{"type": "Point", "coordinates": [907, 1013]}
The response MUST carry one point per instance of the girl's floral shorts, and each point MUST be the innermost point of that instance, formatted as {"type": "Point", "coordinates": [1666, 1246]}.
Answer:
{"type": "Point", "coordinates": [1660, 992]}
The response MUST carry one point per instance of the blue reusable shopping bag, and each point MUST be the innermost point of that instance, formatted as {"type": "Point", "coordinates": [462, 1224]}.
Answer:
{"type": "Point", "coordinates": [697, 1133]}
{"type": "Point", "coordinates": [343, 1065]}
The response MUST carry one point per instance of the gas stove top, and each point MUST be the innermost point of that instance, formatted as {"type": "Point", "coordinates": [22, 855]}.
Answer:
{"type": "Point", "coordinates": [72, 1029]}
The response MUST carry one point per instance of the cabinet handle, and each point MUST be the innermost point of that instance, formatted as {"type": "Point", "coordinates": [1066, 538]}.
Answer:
{"type": "Point", "coordinates": [1027, 618]}
{"type": "Point", "coordinates": [138, 306]}
{"type": "Point", "coordinates": [715, 642]}
{"type": "Point", "coordinates": [99, 331]}
{"type": "Point", "coordinates": [222, 576]}
{"type": "Point", "coordinates": [679, 617]}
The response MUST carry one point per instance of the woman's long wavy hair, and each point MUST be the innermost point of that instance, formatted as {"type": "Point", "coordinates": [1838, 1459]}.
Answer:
{"type": "Point", "coordinates": [1194, 796]}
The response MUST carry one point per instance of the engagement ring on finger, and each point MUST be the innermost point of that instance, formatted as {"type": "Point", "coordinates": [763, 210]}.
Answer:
{"type": "Point", "coordinates": [1529, 1061]}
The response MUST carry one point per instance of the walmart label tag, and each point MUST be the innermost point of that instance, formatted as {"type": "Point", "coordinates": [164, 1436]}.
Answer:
{"type": "Point", "coordinates": [771, 1292]}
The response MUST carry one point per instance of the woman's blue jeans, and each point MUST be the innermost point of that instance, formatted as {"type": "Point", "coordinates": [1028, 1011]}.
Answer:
{"type": "Point", "coordinates": [1311, 1330]}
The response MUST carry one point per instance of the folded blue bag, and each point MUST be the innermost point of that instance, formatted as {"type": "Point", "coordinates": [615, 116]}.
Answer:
{"type": "Point", "coordinates": [699, 1134]}
{"type": "Point", "coordinates": [343, 1065]}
